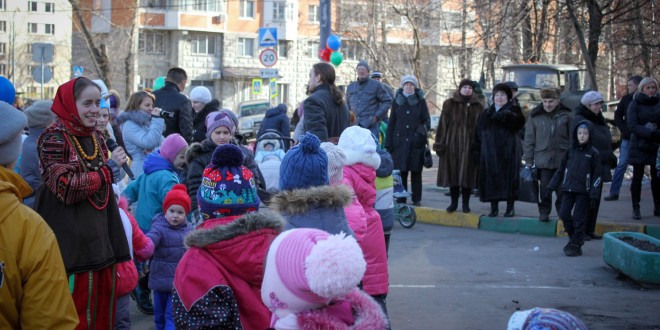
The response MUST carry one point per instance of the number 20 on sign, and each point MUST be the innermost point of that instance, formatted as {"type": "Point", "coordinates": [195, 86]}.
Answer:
{"type": "Point", "coordinates": [268, 57]}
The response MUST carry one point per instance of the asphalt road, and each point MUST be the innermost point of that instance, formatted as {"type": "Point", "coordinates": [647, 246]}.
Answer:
{"type": "Point", "coordinates": [457, 278]}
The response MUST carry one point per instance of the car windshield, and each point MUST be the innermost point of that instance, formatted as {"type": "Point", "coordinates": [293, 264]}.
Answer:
{"type": "Point", "coordinates": [533, 78]}
{"type": "Point", "coordinates": [254, 109]}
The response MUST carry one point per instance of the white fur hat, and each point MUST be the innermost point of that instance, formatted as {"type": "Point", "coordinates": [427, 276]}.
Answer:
{"type": "Point", "coordinates": [359, 146]}
{"type": "Point", "coordinates": [200, 94]}
{"type": "Point", "coordinates": [308, 268]}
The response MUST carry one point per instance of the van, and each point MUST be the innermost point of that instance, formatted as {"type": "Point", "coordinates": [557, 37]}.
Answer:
{"type": "Point", "coordinates": [250, 115]}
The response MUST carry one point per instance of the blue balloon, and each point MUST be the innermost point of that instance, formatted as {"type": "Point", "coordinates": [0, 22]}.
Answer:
{"type": "Point", "coordinates": [334, 42]}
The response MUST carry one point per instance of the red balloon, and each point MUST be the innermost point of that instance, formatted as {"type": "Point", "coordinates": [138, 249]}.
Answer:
{"type": "Point", "coordinates": [324, 54]}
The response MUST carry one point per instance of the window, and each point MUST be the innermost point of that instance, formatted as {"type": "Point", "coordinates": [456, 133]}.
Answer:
{"type": "Point", "coordinates": [151, 43]}
{"type": "Point", "coordinates": [153, 3]}
{"type": "Point", "coordinates": [283, 93]}
{"type": "Point", "coordinates": [203, 5]}
{"type": "Point", "coordinates": [50, 7]}
{"type": "Point", "coordinates": [282, 49]}
{"type": "Point", "coordinates": [352, 50]}
{"type": "Point", "coordinates": [312, 49]}
{"type": "Point", "coordinates": [246, 47]}
{"type": "Point", "coordinates": [453, 20]}
{"type": "Point", "coordinates": [3, 26]}
{"type": "Point", "coordinates": [32, 27]}
{"type": "Point", "coordinates": [3, 48]}
{"type": "Point", "coordinates": [313, 13]}
{"type": "Point", "coordinates": [3, 69]}
{"type": "Point", "coordinates": [282, 11]}
{"type": "Point", "coordinates": [247, 9]}
{"type": "Point", "coordinates": [202, 44]}
{"type": "Point", "coordinates": [32, 6]}
{"type": "Point", "coordinates": [146, 83]}
{"type": "Point", "coordinates": [3, 5]}
{"type": "Point", "coordinates": [50, 28]}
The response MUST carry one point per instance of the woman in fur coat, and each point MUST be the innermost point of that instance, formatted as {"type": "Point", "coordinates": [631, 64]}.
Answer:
{"type": "Point", "coordinates": [453, 139]}
{"type": "Point", "coordinates": [406, 135]}
{"type": "Point", "coordinates": [498, 149]}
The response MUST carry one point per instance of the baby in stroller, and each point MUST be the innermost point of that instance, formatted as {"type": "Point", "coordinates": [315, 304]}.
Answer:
{"type": "Point", "coordinates": [268, 156]}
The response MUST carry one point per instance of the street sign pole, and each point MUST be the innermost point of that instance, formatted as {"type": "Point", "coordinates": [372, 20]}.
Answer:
{"type": "Point", "coordinates": [42, 72]}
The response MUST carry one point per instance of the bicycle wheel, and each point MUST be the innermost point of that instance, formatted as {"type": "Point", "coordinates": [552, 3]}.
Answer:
{"type": "Point", "coordinates": [406, 216]}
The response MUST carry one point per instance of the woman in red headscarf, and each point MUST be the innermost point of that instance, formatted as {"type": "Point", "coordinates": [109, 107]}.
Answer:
{"type": "Point", "coordinates": [77, 201]}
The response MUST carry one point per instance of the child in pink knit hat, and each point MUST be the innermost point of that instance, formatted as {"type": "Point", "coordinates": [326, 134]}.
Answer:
{"type": "Point", "coordinates": [310, 282]}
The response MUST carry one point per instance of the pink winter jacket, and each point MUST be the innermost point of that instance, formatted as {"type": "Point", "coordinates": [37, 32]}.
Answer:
{"type": "Point", "coordinates": [362, 179]}
{"type": "Point", "coordinates": [143, 248]}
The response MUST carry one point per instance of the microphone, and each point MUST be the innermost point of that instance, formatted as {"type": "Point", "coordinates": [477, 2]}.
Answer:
{"type": "Point", "coordinates": [112, 145]}
{"type": "Point", "coordinates": [166, 114]}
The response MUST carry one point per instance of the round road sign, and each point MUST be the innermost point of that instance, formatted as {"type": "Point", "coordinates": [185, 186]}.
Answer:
{"type": "Point", "coordinates": [268, 57]}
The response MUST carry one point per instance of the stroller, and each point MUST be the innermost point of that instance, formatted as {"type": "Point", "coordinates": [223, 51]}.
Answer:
{"type": "Point", "coordinates": [403, 213]}
{"type": "Point", "coordinates": [269, 150]}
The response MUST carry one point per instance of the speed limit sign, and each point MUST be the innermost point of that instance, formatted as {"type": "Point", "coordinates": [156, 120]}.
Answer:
{"type": "Point", "coordinates": [268, 57]}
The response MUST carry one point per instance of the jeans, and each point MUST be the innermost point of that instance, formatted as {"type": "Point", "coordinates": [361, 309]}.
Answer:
{"type": "Point", "coordinates": [621, 168]}
{"type": "Point", "coordinates": [163, 310]}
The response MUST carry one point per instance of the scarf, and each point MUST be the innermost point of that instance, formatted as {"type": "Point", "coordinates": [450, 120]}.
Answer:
{"type": "Point", "coordinates": [64, 106]}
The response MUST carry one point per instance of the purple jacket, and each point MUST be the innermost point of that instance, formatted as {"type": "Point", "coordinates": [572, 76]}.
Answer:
{"type": "Point", "coordinates": [168, 250]}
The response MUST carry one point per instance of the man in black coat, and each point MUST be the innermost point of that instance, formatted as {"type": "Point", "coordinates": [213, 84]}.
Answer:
{"type": "Point", "coordinates": [172, 101]}
{"type": "Point", "coordinates": [620, 116]}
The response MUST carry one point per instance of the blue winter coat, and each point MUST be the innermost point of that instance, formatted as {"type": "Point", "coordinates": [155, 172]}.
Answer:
{"type": "Point", "coordinates": [168, 251]}
{"type": "Point", "coordinates": [276, 119]}
{"type": "Point", "coordinates": [142, 135]}
{"type": "Point", "coordinates": [149, 190]}
{"type": "Point", "coordinates": [366, 99]}
{"type": "Point", "coordinates": [29, 164]}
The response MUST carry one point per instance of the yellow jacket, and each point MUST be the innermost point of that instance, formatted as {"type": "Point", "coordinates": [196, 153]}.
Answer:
{"type": "Point", "coordinates": [34, 292]}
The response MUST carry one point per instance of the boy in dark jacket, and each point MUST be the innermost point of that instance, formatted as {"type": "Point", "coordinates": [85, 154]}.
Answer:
{"type": "Point", "coordinates": [579, 179]}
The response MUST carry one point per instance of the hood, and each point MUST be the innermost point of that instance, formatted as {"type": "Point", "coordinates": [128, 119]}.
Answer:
{"type": "Point", "coordinates": [574, 136]}
{"type": "Point", "coordinates": [216, 231]}
{"type": "Point", "coordinates": [199, 148]}
{"type": "Point", "coordinates": [644, 99]}
{"type": "Point", "coordinates": [280, 109]}
{"type": "Point", "coordinates": [386, 164]}
{"type": "Point", "coordinates": [12, 184]}
{"type": "Point", "coordinates": [138, 116]}
{"type": "Point", "coordinates": [300, 201]}
{"type": "Point", "coordinates": [458, 98]}
{"type": "Point", "coordinates": [595, 119]}
{"type": "Point", "coordinates": [155, 162]}
{"type": "Point", "coordinates": [262, 144]}
{"type": "Point", "coordinates": [538, 109]}
{"type": "Point", "coordinates": [366, 314]}
{"type": "Point", "coordinates": [413, 99]}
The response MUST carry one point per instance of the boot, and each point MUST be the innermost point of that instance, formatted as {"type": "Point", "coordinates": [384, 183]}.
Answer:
{"type": "Point", "coordinates": [509, 209]}
{"type": "Point", "coordinates": [493, 209]}
{"type": "Point", "coordinates": [454, 191]}
{"type": "Point", "coordinates": [636, 213]}
{"type": "Point", "coordinates": [466, 199]}
{"type": "Point", "coordinates": [636, 196]}
{"type": "Point", "coordinates": [572, 250]}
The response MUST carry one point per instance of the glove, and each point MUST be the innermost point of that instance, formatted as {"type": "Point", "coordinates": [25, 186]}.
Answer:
{"type": "Point", "coordinates": [593, 203]}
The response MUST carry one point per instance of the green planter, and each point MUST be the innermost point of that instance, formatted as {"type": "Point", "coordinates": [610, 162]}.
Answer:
{"type": "Point", "coordinates": [641, 266]}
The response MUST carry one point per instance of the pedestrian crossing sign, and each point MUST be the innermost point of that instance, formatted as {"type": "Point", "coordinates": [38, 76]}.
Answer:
{"type": "Point", "coordinates": [256, 86]}
{"type": "Point", "coordinates": [273, 87]}
{"type": "Point", "coordinates": [78, 71]}
{"type": "Point", "coordinates": [267, 37]}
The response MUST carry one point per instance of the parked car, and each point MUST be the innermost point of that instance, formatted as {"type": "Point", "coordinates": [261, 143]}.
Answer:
{"type": "Point", "coordinates": [250, 115]}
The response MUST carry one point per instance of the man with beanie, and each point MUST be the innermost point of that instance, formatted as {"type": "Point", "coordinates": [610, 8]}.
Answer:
{"type": "Point", "coordinates": [171, 100]}
{"type": "Point", "coordinates": [307, 200]}
{"type": "Point", "coordinates": [34, 291]}
{"type": "Point", "coordinates": [39, 116]}
{"type": "Point", "coordinates": [218, 281]}
{"type": "Point", "coordinates": [367, 99]}
{"type": "Point", "coordinates": [620, 116]}
{"type": "Point", "coordinates": [547, 137]}
{"type": "Point", "coordinates": [378, 76]}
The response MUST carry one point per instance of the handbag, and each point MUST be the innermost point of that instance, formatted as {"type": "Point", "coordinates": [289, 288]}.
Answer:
{"type": "Point", "coordinates": [428, 157]}
{"type": "Point", "coordinates": [528, 187]}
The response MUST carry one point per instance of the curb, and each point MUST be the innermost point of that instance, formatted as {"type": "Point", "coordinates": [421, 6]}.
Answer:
{"type": "Point", "coordinates": [521, 225]}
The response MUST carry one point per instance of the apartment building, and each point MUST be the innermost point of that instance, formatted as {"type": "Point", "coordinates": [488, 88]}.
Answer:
{"type": "Point", "coordinates": [33, 26]}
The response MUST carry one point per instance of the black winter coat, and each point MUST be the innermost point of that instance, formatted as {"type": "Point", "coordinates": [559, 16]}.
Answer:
{"type": "Point", "coordinates": [199, 156]}
{"type": "Point", "coordinates": [601, 138]}
{"type": "Point", "coordinates": [621, 115]}
{"type": "Point", "coordinates": [323, 117]}
{"type": "Point", "coordinates": [407, 129]}
{"type": "Point", "coordinates": [498, 147]}
{"type": "Point", "coordinates": [199, 120]}
{"type": "Point", "coordinates": [643, 116]}
{"type": "Point", "coordinates": [170, 99]}
{"type": "Point", "coordinates": [579, 171]}
{"type": "Point", "coordinates": [276, 119]}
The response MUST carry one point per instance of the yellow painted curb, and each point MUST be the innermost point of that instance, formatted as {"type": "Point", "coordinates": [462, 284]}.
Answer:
{"type": "Point", "coordinates": [441, 217]}
{"type": "Point", "coordinates": [602, 228]}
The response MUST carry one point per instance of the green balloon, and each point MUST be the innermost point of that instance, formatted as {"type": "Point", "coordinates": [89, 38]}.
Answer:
{"type": "Point", "coordinates": [159, 83]}
{"type": "Point", "coordinates": [336, 58]}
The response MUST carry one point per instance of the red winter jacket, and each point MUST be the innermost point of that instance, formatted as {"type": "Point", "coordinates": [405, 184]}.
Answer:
{"type": "Point", "coordinates": [143, 248]}
{"type": "Point", "coordinates": [362, 179]}
{"type": "Point", "coordinates": [218, 281]}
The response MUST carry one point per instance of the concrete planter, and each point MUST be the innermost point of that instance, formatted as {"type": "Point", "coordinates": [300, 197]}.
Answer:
{"type": "Point", "coordinates": [641, 266]}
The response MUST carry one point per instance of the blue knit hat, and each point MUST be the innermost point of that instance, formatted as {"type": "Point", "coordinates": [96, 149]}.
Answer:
{"type": "Point", "coordinates": [227, 187]}
{"type": "Point", "coordinates": [7, 90]}
{"type": "Point", "coordinates": [305, 165]}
